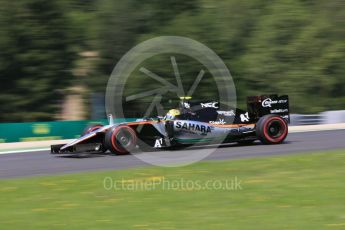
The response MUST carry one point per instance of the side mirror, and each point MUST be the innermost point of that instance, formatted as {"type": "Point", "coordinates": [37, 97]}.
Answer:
{"type": "Point", "coordinates": [110, 119]}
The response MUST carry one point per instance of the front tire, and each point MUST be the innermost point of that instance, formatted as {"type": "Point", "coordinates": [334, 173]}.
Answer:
{"type": "Point", "coordinates": [91, 128]}
{"type": "Point", "coordinates": [271, 129]}
{"type": "Point", "coordinates": [120, 140]}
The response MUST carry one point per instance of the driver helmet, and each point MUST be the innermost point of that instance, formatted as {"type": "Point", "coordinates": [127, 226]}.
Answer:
{"type": "Point", "coordinates": [172, 113]}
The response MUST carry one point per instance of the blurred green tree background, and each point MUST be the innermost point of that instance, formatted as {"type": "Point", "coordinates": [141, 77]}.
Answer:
{"type": "Point", "coordinates": [294, 47]}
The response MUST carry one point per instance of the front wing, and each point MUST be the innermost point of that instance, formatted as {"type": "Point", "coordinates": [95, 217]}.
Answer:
{"type": "Point", "coordinates": [78, 148]}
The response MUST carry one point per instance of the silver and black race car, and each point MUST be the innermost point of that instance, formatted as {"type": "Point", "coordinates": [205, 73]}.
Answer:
{"type": "Point", "coordinates": [193, 122]}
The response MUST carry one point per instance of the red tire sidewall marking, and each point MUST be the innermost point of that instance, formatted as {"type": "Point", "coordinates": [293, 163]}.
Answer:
{"type": "Point", "coordinates": [283, 135]}
{"type": "Point", "coordinates": [113, 138]}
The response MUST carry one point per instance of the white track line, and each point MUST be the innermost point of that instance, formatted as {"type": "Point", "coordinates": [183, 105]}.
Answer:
{"type": "Point", "coordinates": [24, 151]}
{"type": "Point", "coordinates": [314, 128]}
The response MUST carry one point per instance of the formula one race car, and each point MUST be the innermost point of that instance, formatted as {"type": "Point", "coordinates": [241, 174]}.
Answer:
{"type": "Point", "coordinates": [266, 119]}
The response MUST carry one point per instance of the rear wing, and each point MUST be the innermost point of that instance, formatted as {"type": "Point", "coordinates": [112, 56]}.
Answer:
{"type": "Point", "coordinates": [259, 106]}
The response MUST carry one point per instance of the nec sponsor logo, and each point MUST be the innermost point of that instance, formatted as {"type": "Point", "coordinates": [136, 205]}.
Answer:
{"type": "Point", "coordinates": [209, 105]}
{"type": "Point", "coordinates": [268, 102]}
{"type": "Point", "coordinates": [193, 127]}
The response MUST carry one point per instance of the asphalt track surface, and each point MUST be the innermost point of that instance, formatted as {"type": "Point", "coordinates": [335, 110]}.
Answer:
{"type": "Point", "coordinates": [43, 163]}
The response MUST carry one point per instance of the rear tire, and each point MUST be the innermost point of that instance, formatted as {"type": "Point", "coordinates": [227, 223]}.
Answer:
{"type": "Point", "coordinates": [120, 140]}
{"type": "Point", "coordinates": [271, 129]}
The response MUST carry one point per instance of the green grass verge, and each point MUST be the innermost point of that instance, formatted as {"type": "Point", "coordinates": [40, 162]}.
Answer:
{"type": "Point", "coordinates": [305, 191]}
